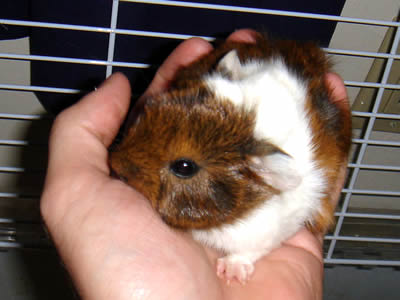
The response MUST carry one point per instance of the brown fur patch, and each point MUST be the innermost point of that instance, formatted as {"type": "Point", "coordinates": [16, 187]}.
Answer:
{"type": "Point", "coordinates": [217, 136]}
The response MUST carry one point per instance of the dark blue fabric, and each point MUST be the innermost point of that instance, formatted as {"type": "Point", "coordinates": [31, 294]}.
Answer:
{"type": "Point", "coordinates": [92, 45]}
{"type": "Point", "coordinates": [15, 10]}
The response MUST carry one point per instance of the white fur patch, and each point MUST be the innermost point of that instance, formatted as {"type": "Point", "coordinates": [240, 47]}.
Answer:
{"type": "Point", "coordinates": [279, 99]}
{"type": "Point", "coordinates": [226, 89]}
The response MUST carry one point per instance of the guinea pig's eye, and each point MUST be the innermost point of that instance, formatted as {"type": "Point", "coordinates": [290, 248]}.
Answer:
{"type": "Point", "coordinates": [184, 168]}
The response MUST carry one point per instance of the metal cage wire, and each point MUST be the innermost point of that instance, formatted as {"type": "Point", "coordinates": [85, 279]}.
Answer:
{"type": "Point", "coordinates": [8, 233]}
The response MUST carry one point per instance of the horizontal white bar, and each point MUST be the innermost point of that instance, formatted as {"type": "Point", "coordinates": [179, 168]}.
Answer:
{"type": "Point", "coordinates": [376, 142]}
{"type": "Point", "coordinates": [372, 192]}
{"type": "Point", "coordinates": [368, 216]}
{"type": "Point", "coordinates": [14, 143]}
{"type": "Point", "coordinates": [72, 60]}
{"type": "Point", "coordinates": [368, 262]}
{"type": "Point", "coordinates": [7, 220]}
{"type": "Point", "coordinates": [5, 142]}
{"type": "Point", "coordinates": [374, 167]}
{"type": "Point", "coordinates": [164, 35]}
{"type": "Point", "coordinates": [361, 53]}
{"type": "Point", "coordinates": [141, 65]}
{"type": "Point", "coordinates": [155, 35]}
{"type": "Point", "coordinates": [267, 12]}
{"type": "Point", "coordinates": [12, 170]}
{"type": "Point", "coordinates": [362, 239]}
{"type": "Point", "coordinates": [19, 170]}
{"type": "Point", "coordinates": [24, 117]}
{"type": "Point", "coordinates": [19, 245]}
{"type": "Point", "coordinates": [377, 115]}
{"type": "Point", "coordinates": [55, 25]}
{"type": "Point", "coordinates": [19, 221]}
{"type": "Point", "coordinates": [101, 29]}
{"type": "Point", "coordinates": [372, 85]}
{"type": "Point", "coordinates": [18, 196]}
{"type": "Point", "coordinates": [136, 65]}
{"type": "Point", "coordinates": [32, 88]}
{"type": "Point", "coordinates": [10, 245]}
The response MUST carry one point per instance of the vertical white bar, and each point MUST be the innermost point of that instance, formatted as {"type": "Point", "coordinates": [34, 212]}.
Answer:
{"type": "Point", "coordinates": [111, 41]}
{"type": "Point", "coordinates": [367, 135]}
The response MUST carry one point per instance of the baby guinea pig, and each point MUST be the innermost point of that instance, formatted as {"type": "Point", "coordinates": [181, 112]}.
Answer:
{"type": "Point", "coordinates": [242, 151]}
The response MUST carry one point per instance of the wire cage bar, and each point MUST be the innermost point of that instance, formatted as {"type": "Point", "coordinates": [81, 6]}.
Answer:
{"type": "Point", "coordinates": [339, 238]}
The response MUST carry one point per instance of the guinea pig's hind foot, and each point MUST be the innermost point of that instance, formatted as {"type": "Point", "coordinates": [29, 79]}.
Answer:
{"type": "Point", "coordinates": [235, 266]}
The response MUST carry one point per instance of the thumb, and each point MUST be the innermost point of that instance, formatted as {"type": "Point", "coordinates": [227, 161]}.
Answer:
{"type": "Point", "coordinates": [102, 111]}
{"type": "Point", "coordinates": [81, 134]}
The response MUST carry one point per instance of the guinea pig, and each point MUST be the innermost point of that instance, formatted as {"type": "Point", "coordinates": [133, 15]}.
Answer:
{"type": "Point", "coordinates": [242, 151]}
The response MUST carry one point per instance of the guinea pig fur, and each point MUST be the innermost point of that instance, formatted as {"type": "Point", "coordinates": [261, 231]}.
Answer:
{"type": "Point", "coordinates": [243, 150]}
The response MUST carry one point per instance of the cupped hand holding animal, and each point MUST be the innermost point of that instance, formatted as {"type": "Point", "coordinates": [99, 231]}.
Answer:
{"type": "Point", "coordinates": [113, 243]}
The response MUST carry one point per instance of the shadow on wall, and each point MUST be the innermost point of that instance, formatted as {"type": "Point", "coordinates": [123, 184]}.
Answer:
{"type": "Point", "coordinates": [29, 183]}
{"type": "Point", "coordinates": [34, 275]}
{"type": "Point", "coordinates": [37, 273]}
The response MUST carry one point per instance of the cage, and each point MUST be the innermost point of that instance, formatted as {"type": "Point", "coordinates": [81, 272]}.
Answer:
{"type": "Point", "coordinates": [51, 54]}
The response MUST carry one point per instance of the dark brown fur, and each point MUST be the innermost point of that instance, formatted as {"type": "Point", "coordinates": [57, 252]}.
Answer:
{"type": "Point", "coordinates": [189, 124]}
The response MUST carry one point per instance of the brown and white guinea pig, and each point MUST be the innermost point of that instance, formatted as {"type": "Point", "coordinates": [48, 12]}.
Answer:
{"type": "Point", "coordinates": [242, 151]}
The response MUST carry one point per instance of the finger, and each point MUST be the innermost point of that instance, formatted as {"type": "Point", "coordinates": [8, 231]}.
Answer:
{"type": "Point", "coordinates": [183, 55]}
{"type": "Point", "coordinates": [82, 133]}
{"type": "Point", "coordinates": [243, 35]}
{"type": "Point", "coordinates": [338, 90]}
{"type": "Point", "coordinates": [339, 97]}
{"type": "Point", "coordinates": [186, 53]}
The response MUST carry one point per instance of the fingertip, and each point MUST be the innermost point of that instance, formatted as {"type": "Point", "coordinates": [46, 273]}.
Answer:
{"type": "Point", "coordinates": [196, 46]}
{"type": "Point", "coordinates": [101, 111]}
{"type": "Point", "coordinates": [117, 82]}
{"type": "Point", "coordinates": [244, 35]}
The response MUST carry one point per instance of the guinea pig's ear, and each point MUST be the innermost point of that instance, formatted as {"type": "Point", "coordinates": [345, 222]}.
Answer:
{"type": "Point", "coordinates": [278, 170]}
{"type": "Point", "coordinates": [230, 65]}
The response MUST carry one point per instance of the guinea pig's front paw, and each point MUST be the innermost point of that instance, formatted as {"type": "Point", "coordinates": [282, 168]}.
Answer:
{"type": "Point", "coordinates": [235, 266]}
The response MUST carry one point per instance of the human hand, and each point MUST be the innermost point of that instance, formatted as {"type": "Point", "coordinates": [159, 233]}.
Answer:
{"type": "Point", "coordinates": [113, 243]}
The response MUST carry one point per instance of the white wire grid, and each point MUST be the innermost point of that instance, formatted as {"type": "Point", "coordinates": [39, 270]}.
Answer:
{"type": "Point", "coordinates": [8, 236]}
